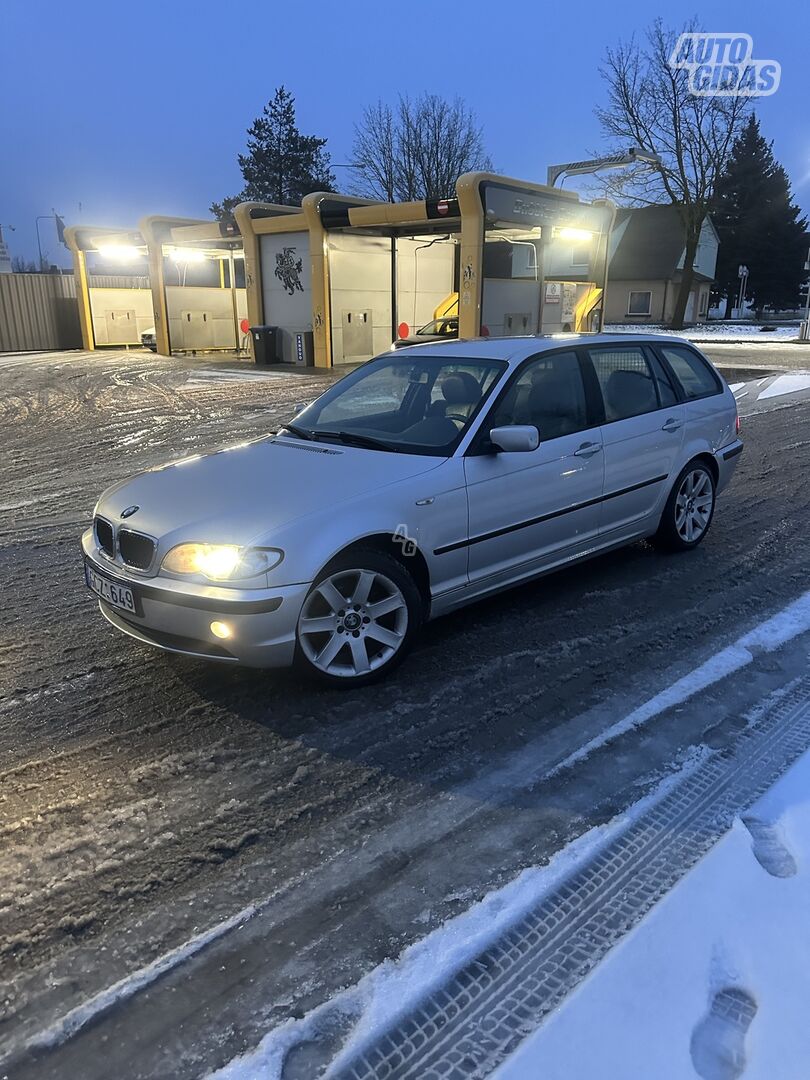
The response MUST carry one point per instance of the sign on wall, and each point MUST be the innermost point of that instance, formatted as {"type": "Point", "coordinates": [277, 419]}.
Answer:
{"type": "Point", "coordinates": [289, 268]}
{"type": "Point", "coordinates": [569, 303]}
{"type": "Point", "coordinates": [286, 291]}
{"type": "Point", "coordinates": [533, 210]}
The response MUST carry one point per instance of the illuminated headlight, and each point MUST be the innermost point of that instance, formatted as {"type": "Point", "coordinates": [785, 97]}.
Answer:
{"type": "Point", "coordinates": [221, 562]}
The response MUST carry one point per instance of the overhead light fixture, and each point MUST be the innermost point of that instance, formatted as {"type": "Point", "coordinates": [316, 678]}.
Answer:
{"type": "Point", "coordinates": [573, 234]}
{"type": "Point", "coordinates": [119, 252]}
{"type": "Point", "coordinates": [633, 156]}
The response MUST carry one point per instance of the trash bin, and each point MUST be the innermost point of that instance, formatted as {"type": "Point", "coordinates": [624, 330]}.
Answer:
{"type": "Point", "coordinates": [266, 344]}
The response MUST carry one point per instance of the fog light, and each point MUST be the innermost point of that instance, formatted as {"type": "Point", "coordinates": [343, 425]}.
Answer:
{"type": "Point", "coordinates": [220, 629]}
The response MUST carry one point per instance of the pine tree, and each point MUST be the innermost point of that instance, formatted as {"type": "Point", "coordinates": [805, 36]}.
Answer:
{"type": "Point", "coordinates": [759, 226]}
{"type": "Point", "coordinates": [281, 165]}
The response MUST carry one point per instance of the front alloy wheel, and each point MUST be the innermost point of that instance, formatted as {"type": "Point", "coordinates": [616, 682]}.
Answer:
{"type": "Point", "coordinates": [357, 619]}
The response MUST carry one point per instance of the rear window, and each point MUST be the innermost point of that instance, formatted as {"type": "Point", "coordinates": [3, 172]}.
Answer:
{"type": "Point", "coordinates": [696, 378]}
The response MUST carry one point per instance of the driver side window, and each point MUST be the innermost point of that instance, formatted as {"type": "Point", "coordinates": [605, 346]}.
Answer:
{"type": "Point", "coordinates": [549, 395]}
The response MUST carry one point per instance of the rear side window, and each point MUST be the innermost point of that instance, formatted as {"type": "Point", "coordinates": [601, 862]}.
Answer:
{"type": "Point", "coordinates": [666, 391]}
{"type": "Point", "coordinates": [627, 381]}
{"type": "Point", "coordinates": [696, 378]}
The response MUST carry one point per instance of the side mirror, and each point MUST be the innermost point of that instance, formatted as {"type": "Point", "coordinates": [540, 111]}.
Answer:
{"type": "Point", "coordinates": [515, 438]}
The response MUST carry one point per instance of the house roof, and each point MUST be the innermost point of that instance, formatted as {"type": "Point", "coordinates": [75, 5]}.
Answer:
{"type": "Point", "coordinates": [649, 244]}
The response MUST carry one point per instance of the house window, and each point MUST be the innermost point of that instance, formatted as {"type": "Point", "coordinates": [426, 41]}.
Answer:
{"type": "Point", "coordinates": [639, 303]}
{"type": "Point", "coordinates": [581, 254]}
{"type": "Point", "coordinates": [703, 305]}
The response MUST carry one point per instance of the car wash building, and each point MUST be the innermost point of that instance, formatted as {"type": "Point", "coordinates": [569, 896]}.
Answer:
{"type": "Point", "coordinates": [502, 257]}
{"type": "Point", "coordinates": [338, 279]}
{"type": "Point", "coordinates": [187, 291]}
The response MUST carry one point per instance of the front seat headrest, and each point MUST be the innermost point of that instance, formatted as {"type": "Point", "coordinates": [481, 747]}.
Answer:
{"type": "Point", "coordinates": [460, 388]}
{"type": "Point", "coordinates": [629, 393]}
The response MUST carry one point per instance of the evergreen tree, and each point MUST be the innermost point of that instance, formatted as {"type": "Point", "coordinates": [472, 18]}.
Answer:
{"type": "Point", "coordinates": [759, 226]}
{"type": "Point", "coordinates": [281, 165]}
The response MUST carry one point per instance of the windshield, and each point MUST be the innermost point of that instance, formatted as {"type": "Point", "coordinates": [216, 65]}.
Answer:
{"type": "Point", "coordinates": [440, 328]}
{"type": "Point", "coordinates": [414, 406]}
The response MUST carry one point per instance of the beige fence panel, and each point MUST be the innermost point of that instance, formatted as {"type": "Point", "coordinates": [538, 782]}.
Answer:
{"type": "Point", "coordinates": [38, 312]}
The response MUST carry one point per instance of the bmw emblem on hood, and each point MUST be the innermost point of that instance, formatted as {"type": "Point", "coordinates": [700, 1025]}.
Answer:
{"type": "Point", "coordinates": [130, 510]}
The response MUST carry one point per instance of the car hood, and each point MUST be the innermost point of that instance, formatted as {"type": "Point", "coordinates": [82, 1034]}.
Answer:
{"type": "Point", "coordinates": [240, 494]}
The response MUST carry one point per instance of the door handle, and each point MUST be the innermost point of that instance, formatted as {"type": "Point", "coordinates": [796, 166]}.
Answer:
{"type": "Point", "coordinates": [588, 449]}
{"type": "Point", "coordinates": [671, 425]}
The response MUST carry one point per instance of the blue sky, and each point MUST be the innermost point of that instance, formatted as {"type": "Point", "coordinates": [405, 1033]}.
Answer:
{"type": "Point", "coordinates": [129, 109]}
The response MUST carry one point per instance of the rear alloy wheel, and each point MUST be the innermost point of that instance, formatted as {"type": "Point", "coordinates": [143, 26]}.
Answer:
{"type": "Point", "coordinates": [358, 619]}
{"type": "Point", "coordinates": [689, 509]}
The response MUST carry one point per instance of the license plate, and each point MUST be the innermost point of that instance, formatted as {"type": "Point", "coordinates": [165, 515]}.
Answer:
{"type": "Point", "coordinates": [110, 591]}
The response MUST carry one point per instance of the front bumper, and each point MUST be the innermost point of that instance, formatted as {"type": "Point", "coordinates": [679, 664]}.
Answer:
{"type": "Point", "coordinates": [177, 617]}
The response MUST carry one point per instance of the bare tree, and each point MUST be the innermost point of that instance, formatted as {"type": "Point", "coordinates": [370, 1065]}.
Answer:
{"type": "Point", "coordinates": [416, 150]}
{"type": "Point", "coordinates": [21, 265]}
{"type": "Point", "coordinates": [651, 106]}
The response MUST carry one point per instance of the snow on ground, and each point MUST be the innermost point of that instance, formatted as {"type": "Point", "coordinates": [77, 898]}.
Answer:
{"type": "Point", "coordinates": [395, 988]}
{"type": "Point", "coordinates": [730, 331]}
{"type": "Point", "coordinates": [786, 384]}
{"type": "Point", "coordinates": [714, 981]}
{"type": "Point", "coordinates": [190, 794]}
{"type": "Point", "coordinates": [769, 635]}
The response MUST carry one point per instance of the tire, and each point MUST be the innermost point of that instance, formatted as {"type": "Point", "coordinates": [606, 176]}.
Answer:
{"type": "Point", "coordinates": [340, 639]}
{"type": "Point", "coordinates": [689, 510]}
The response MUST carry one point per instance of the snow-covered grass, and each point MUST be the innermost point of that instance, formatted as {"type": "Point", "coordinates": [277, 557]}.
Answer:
{"type": "Point", "coordinates": [714, 980]}
{"type": "Point", "coordinates": [726, 331]}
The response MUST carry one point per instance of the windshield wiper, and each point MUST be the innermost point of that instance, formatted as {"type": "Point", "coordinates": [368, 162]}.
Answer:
{"type": "Point", "coordinates": [352, 438]}
{"type": "Point", "coordinates": [297, 431]}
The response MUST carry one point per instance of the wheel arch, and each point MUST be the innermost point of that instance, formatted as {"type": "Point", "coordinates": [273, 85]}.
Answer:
{"type": "Point", "coordinates": [414, 562]}
{"type": "Point", "coordinates": [707, 459]}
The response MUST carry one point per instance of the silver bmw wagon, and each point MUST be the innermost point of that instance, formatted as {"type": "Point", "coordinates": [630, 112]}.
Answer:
{"type": "Point", "coordinates": [423, 480]}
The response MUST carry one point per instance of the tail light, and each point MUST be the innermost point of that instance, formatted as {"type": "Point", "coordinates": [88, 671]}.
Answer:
{"type": "Point", "coordinates": [737, 424]}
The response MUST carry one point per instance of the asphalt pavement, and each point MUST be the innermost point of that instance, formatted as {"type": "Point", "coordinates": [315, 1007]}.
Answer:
{"type": "Point", "coordinates": [146, 798]}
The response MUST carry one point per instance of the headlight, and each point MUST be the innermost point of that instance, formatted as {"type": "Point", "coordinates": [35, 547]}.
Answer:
{"type": "Point", "coordinates": [221, 562]}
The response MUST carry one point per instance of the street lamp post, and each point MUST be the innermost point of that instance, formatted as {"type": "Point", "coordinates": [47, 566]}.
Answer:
{"type": "Point", "coordinates": [43, 217]}
{"type": "Point", "coordinates": [742, 274]}
{"type": "Point", "coordinates": [633, 156]}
